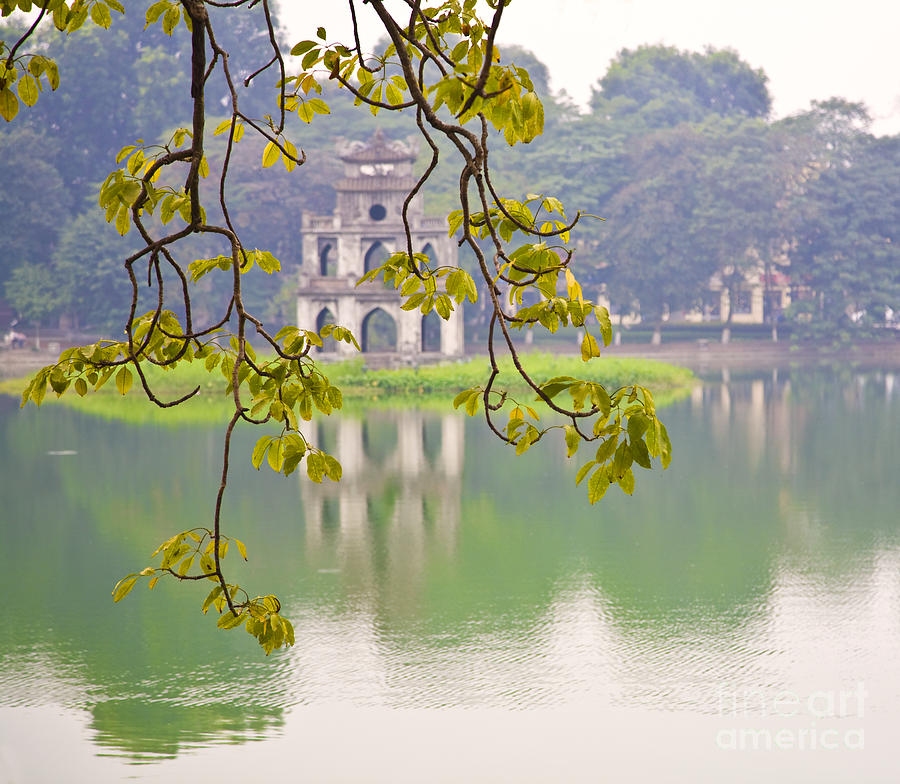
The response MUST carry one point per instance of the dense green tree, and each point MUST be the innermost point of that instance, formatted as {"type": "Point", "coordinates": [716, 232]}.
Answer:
{"type": "Point", "coordinates": [35, 201]}
{"type": "Point", "coordinates": [652, 239]}
{"type": "Point", "coordinates": [847, 247]}
{"type": "Point", "coordinates": [668, 86]}
{"type": "Point", "coordinates": [86, 273]}
{"type": "Point", "coordinates": [741, 224]}
{"type": "Point", "coordinates": [32, 292]}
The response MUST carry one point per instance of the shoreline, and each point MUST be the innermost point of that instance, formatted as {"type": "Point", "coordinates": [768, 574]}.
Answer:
{"type": "Point", "coordinates": [699, 356]}
{"type": "Point", "coordinates": [702, 356]}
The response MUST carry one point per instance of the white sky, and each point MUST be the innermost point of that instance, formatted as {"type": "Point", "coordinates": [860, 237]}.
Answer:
{"type": "Point", "coordinates": [810, 49]}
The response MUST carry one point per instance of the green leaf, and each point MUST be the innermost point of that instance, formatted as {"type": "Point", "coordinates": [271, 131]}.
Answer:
{"type": "Point", "coordinates": [228, 620]}
{"type": "Point", "coordinates": [333, 468]}
{"type": "Point", "coordinates": [597, 485]}
{"type": "Point", "coordinates": [315, 467]}
{"type": "Point", "coordinates": [9, 104]}
{"type": "Point", "coordinates": [472, 403]}
{"type": "Point", "coordinates": [637, 425]}
{"type": "Point", "coordinates": [122, 221]}
{"type": "Point", "coordinates": [607, 449]}
{"type": "Point", "coordinates": [213, 595]}
{"type": "Point", "coordinates": [463, 396]}
{"type": "Point", "coordinates": [275, 455]}
{"type": "Point", "coordinates": [100, 16]}
{"type": "Point", "coordinates": [124, 380]}
{"type": "Point", "coordinates": [573, 440]}
{"type": "Point", "coordinates": [583, 471]}
{"type": "Point", "coordinates": [170, 19]}
{"type": "Point", "coordinates": [640, 453]}
{"type": "Point", "coordinates": [185, 565]}
{"type": "Point", "coordinates": [589, 347]}
{"type": "Point", "coordinates": [665, 445]}
{"type": "Point", "coordinates": [259, 451]}
{"type": "Point", "coordinates": [28, 90]}
{"type": "Point", "coordinates": [310, 58]}
{"type": "Point", "coordinates": [319, 106]}
{"type": "Point", "coordinates": [123, 587]}
{"type": "Point", "coordinates": [626, 482]}
{"type": "Point", "coordinates": [156, 10]}
{"type": "Point", "coordinates": [302, 48]}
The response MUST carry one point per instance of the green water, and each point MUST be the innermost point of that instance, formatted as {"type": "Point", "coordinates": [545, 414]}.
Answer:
{"type": "Point", "coordinates": [462, 614]}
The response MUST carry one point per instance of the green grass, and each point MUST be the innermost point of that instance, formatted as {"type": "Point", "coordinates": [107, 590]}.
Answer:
{"type": "Point", "coordinates": [449, 378]}
{"type": "Point", "coordinates": [428, 385]}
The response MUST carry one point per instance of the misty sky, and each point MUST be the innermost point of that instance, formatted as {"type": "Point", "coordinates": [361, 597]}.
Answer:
{"type": "Point", "coordinates": [810, 49]}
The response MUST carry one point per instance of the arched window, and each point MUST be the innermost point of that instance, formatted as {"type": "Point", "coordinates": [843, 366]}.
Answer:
{"type": "Point", "coordinates": [325, 317]}
{"type": "Point", "coordinates": [376, 255]}
{"type": "Point", "coordinates": [431, 332]}
{"type": "Point", "coordinates": [379, 332]}
{"type": "Point", "coordinates": [429, 251]}
{"type": "Point", "coordinates": [327, 261]}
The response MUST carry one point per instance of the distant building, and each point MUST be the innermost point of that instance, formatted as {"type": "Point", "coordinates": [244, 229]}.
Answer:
{"type": "Point", "coordinates": [364, 230]}
{"type": "Point", "coordinates": [759, 298]}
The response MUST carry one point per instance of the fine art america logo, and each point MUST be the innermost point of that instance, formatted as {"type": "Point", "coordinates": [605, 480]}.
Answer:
{"type": "Point", "coordinates": [783, 720]}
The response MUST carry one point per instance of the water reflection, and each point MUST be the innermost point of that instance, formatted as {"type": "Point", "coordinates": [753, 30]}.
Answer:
{"type": "Point", "coordinates": [399, 496]}
{"type": "Point", "coordinates": [444, 573]}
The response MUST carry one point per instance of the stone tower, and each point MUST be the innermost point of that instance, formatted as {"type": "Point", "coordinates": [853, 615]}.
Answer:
{"type": "Point", "coordinates": [364, 230]}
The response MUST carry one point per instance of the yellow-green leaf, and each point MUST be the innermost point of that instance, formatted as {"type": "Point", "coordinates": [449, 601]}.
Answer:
{"type": "Point", "coordinates": [28, 90]}
{"type": "Point", "coordinates": [270, 154]}
{"type": "Point", "coordinates": [124, 380]}
{"type": "Point", "coordinates": [9, 104]}
{"type": "Point", "coordinates": [589, 347]}
{"type": "Point", "coordinates": [100, 15]}
{"type": "Point", "coordinates": [123, 587]}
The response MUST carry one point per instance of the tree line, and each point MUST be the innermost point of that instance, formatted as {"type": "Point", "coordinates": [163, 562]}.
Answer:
{"type": "Point", "coordinates": [676, 152]}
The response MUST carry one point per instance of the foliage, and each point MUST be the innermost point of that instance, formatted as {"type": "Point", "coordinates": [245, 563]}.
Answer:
{"type": "Point", "coordinates": [30, 222]}
{"type": "Point", "coordinates": [31, 292]}
{"type": "Point", "coordinates": [847, 253]}
{"type": "Point", "coordinates": [672, 86]}
{"type": "Point", "coordinates": [87, 272]}
{"type": "Point", "coordinates": [441, 64]}
{"type": "Point", "coordinates": [739, 220]}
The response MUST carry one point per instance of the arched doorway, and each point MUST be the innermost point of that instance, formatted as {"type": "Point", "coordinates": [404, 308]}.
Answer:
{"type": "Point", "coordinates": [379, 332]}
{"type": "Point", "coordinates": [325, 317]}
{"type": "Point", "coordinates": [431, 332]}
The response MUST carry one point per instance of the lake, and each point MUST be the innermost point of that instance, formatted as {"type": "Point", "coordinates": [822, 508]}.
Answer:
{"type": "Point", "coordinates": [462, 614]}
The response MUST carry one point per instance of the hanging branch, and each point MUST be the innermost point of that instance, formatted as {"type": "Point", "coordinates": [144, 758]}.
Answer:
{"type": "Point", "coordinates": [452, 92]}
